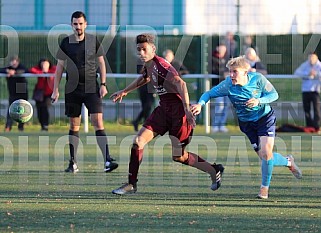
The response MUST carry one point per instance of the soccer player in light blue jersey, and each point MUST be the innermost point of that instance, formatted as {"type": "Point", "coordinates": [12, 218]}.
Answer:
{"type": "Point", "coordinates": [251, 95]}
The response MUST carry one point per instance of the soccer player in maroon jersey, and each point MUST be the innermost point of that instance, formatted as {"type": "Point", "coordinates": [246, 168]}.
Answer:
{"type": "Point", "coordinates": [173, 115]}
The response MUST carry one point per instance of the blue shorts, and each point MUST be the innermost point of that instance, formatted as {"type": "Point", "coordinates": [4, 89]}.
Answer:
{"type": "Point", "coordinates": [265, 126]}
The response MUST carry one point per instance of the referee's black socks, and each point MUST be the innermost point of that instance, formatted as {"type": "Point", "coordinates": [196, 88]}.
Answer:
{"type": "Point", "coordinates": [103, 143]}
{"type": "Point", "coordinates": [73, 144]}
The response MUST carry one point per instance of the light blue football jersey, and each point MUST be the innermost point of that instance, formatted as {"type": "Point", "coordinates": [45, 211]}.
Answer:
{"type": "Point", "coordinates": [257, 87]}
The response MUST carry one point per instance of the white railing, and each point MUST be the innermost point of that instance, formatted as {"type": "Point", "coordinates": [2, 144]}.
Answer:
{"type": "Point", "coordinates": [185, 76]}
{"type": "Point", "coordinates": [205, 77]}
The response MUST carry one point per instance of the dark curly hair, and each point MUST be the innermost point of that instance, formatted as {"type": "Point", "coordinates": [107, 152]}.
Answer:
{"type": "Point", "coordinates": [145, 38]}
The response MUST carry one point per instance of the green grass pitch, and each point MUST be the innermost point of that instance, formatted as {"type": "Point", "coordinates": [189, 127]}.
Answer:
{"type": "Point", "coordinates": [37, 196]}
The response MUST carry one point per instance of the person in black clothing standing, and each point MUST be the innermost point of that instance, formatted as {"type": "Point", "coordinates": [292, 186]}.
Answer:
{"type": "Point", "coordinates": [82, 54]}
{"type": "Point", "coordinates": [17, 87]}
{"type": "Point", "coordinates": [220, 109]}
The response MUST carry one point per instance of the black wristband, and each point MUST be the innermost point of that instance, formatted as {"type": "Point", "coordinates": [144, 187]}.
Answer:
{"type": "Point", "coordinates": [103, 84]}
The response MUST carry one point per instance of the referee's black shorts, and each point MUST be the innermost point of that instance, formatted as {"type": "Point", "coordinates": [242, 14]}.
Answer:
{"type": "Point", "coordinates": [75, 99]}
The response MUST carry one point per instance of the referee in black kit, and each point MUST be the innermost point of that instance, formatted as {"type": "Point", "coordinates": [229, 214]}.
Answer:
{"type": "Point", "coordinates": [82, 54]}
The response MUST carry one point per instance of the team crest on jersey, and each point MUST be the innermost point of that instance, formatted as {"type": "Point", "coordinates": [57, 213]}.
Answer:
{"type": "Point", "coordinates": [254, 93]}
{"type": "Point", "coordinates": [154, 78]}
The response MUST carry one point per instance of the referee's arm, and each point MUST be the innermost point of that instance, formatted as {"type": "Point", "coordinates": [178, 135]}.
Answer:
{"type": "Point", "coordinates": [102, 67]}
{"type": "Point", "coordinates": [58, 76]}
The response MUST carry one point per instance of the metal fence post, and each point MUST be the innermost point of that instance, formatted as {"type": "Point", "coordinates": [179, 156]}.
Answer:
{"type": "Point", "coordinates": [204, 67]}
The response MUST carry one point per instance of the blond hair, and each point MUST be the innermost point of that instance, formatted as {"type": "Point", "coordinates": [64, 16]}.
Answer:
{"type": "Point", "coordinates": [238, 62]}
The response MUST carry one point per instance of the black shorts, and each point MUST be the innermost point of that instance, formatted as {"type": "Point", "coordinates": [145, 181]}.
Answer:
{"type": "Point", "coordinates": [75, 99]}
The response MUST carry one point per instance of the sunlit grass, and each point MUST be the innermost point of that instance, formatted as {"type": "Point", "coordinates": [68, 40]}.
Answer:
{"type": "Point", "coordinates": [37, 196]}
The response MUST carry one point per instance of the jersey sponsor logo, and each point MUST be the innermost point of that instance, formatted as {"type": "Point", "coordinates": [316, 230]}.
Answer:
{"type": "Point", "coordinates": [160, 90]}
{"type": "Point", "coordinates": [240, 103]}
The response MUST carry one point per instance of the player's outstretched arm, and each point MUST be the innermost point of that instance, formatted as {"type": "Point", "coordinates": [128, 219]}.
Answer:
{"type": "Point", "coordinates": [118, 96]}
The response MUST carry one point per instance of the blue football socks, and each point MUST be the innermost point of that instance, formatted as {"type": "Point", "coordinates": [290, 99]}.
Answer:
{"type": "Point", "coordinates": [279, 160]}
{"type": "Point", "coordinates": [266, 169]}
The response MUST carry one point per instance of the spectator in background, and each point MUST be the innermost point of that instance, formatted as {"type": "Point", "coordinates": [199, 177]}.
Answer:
{"type": "Point", "coordinates": [310, 72]}
{"type": "Point", "coordinates": [43, 91]}
{"type": "Point", "coordinates": [231, 46]}
{"type": "Point", "coordinates": [255, 62]}
{"type": "Point", "coordinates": [248, 43]}
{"type": "Point", "coordinates": [178, 65]}
{"type": "Point", "coordinates": [219, 113]}
{"type": "Point", "coordinates": [146, 98]}
{"type": "Point", "coordinates": [17, 87]}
